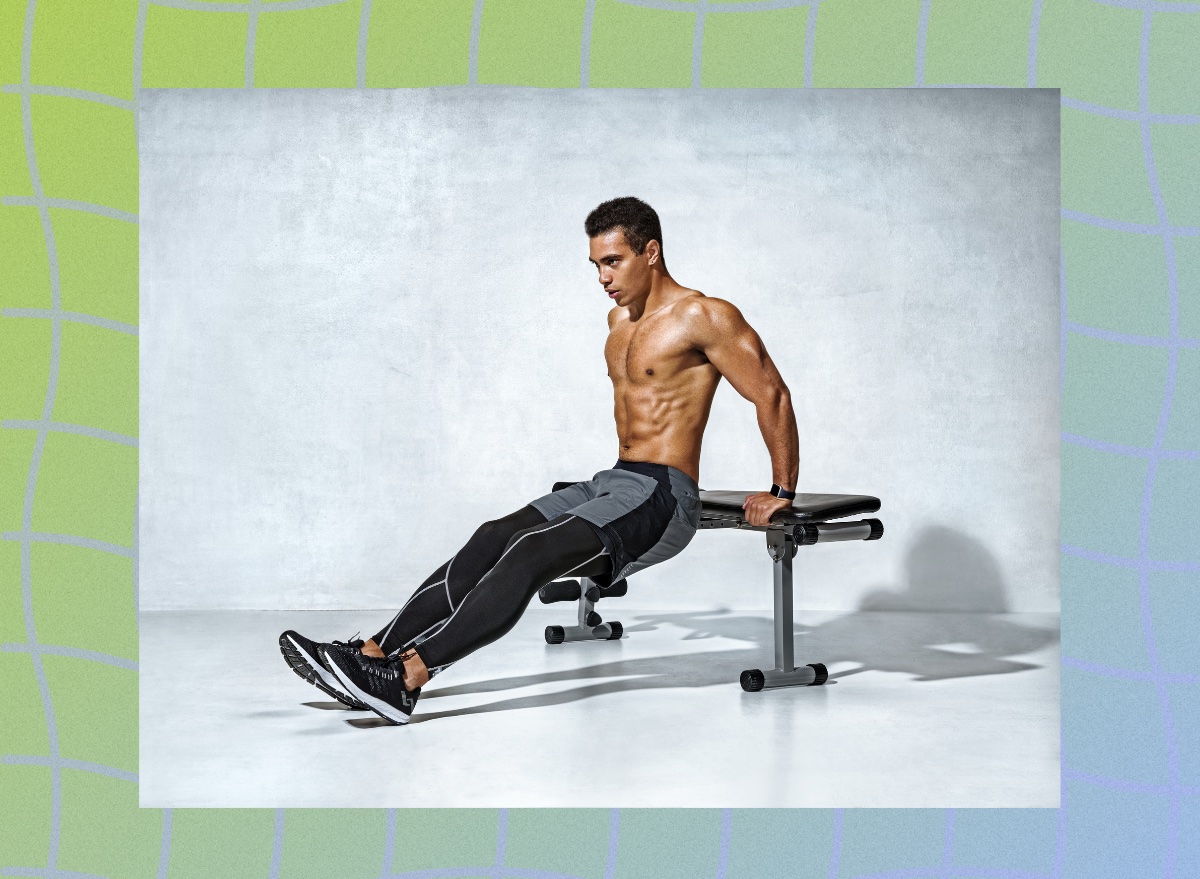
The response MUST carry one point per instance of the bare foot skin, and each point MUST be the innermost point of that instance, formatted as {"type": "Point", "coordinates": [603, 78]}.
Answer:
{"type": "Point", "coordinates": [415, 673]}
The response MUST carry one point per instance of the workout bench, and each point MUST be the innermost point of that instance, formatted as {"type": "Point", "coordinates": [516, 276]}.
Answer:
{"type": "Point", "coordinates": [806, 523]}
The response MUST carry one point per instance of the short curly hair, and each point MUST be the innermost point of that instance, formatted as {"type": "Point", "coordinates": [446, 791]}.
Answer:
{"type": "Point", "coordinates": [636, 219]}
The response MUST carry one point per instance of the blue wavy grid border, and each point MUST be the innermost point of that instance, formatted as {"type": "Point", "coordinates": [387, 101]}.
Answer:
{"type": "Point", "coordinates": [1172, 793]}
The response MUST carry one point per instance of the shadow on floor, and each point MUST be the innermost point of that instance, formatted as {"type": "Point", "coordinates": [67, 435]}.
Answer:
{"type": "Point", "coordinates": [940, 624]}
{"type": "Point", "coordinates": [894, 642]}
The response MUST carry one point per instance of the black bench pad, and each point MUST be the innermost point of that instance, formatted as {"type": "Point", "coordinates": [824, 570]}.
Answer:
{"type": "Point", "coordinates": [805, 508]}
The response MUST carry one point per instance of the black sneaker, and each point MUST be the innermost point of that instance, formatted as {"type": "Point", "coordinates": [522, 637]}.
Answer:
{"type": "Point", "coordinates": [379, 684]}
{"type": "Point", "coordinates": [304, 657]}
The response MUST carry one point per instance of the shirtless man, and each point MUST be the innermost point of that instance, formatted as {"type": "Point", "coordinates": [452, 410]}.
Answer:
{"type": "Point", "coordinates": [668, 347]}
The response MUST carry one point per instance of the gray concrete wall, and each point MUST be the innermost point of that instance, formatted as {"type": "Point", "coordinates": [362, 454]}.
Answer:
{"type": "Point", "coordinates": [368, 323]}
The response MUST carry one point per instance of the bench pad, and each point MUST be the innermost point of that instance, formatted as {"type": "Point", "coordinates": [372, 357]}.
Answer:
{"type": "Point", "coordinates": [805, 508]}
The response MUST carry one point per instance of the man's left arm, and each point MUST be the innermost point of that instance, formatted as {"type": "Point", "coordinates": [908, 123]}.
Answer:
{"type": "Point", "coordinates": [736, 350]}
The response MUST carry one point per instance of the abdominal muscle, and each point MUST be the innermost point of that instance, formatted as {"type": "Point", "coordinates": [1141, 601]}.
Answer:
{"type": "Point", "coordinates": [664, 424]}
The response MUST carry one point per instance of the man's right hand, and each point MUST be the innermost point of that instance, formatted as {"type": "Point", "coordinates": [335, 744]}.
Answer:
{"type": "Point", "coordinates": [761, 506]}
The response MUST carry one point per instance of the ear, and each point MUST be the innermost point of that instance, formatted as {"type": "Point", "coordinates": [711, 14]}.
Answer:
{"type": "Point", "coordinates": [653, 251]}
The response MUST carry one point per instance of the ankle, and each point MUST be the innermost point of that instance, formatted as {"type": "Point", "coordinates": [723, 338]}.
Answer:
{"type": "Point", "coordinates": [415, 673]}
{"type": "Point", "coordinates": [370, 648]}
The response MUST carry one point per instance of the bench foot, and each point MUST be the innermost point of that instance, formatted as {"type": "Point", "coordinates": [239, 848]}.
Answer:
{"type": "Point", "coordinates": [812, 675]}
{"type": "Point", "coordinates": [603, 632]}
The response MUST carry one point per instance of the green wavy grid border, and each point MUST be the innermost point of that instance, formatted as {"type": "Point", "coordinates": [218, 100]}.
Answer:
{"type": "Point", "coordinates": [71, 71]}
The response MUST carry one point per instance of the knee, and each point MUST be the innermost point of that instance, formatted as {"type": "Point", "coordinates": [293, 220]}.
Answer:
{"type": "Point", "coordinates": [529, 538]}
{"type": "Point", "coordinates": [493, 531]}
{"type": "Point", "coordinates": [487, 527]}
{"type": "Point", "coordinates": [504, 530]}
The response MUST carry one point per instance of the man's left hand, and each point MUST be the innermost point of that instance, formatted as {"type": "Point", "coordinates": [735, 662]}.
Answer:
{"type": "Point", "coordinates": [761, 506]}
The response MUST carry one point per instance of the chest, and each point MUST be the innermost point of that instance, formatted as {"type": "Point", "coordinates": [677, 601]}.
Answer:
{"type": "Point", "coordinates": [646, 351]}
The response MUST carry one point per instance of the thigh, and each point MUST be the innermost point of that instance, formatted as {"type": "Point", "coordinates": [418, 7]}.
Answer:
{"type": "Point", "coordinates": [490, 539]}
{"type": "Point", "coordinates": [484, 549]}
{"type": "Point", "coordinates": [599, 569]}
{"type": "Point", "coordinates": [528, 516]}
{"type": "Point", "coordinates": [553, 549]}
{"type": "Point", "coordinates": [675, 538]}
{"type": "Point", "coordinates": [564, 500]}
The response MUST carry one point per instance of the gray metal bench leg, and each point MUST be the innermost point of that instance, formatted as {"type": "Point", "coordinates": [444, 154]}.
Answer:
{"type": "Point", "coordinates": [590, 627]}
{"type": "Point", "coordinates": [782, 548]}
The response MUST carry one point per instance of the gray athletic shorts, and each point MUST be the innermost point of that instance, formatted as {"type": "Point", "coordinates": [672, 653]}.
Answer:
{"type": "Point", "coordinates": [643, 513]}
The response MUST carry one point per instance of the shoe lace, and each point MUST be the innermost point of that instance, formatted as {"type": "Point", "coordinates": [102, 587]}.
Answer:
{"type": "Point", "coordinates": [353, 641]}
{"type": "Point", "coordinates": [381, 668]}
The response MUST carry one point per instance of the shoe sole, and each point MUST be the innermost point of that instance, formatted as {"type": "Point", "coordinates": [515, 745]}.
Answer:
{"type": "Point", "coordinates": [298, 661]}
{"type": "Point", "coordinates": [388, 712]}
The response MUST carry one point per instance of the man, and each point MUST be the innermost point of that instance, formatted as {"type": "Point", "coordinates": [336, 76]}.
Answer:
{"type": "Point", "coordinates": [668, 347]}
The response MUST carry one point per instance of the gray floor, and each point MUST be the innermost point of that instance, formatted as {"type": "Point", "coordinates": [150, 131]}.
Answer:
{"type": "Point", "coordinates": [931, 710]}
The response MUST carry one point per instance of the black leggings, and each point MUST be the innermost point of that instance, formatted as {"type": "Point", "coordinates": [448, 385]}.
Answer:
{"type": "Point", "coordinates": [479, 594]}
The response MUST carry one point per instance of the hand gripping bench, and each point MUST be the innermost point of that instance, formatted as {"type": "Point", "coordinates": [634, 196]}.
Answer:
{"type": "Point", "coordinates": [806, 523]}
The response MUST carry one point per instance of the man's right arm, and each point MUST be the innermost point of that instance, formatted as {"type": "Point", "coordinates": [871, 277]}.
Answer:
{"type": "Point", "coordinates": [736, 350]}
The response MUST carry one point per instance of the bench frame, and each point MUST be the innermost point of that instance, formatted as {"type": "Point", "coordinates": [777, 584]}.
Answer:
{"type": "Point", "coordinates": [786, 533]}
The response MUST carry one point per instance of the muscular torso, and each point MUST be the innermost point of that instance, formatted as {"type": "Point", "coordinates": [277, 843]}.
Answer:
{"type": "Point", "coordinates": [663, 387]}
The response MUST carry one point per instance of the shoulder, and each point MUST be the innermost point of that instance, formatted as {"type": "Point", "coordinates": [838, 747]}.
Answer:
{"type": "Point", "coordinates": [708, 316]}
{"type": "Point", "coordinates": [615, 314]}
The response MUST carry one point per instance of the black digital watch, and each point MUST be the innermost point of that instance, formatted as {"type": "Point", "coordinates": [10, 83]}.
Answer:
{"type": "Point", "coordinates": [783, 493]}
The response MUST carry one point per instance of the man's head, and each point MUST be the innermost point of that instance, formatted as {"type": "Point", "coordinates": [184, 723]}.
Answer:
{"type": "Point", "coordinates": [636, 219]}
{"type": "Point", "coordinates": [625, 246]}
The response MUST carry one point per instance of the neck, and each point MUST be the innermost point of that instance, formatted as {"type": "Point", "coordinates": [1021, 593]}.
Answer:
{"type": "Point", "coordinates": [663, 290]}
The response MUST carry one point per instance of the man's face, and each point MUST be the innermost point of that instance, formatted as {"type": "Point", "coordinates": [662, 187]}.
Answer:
{"type": "Point", "coordinates": [624, 275]}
